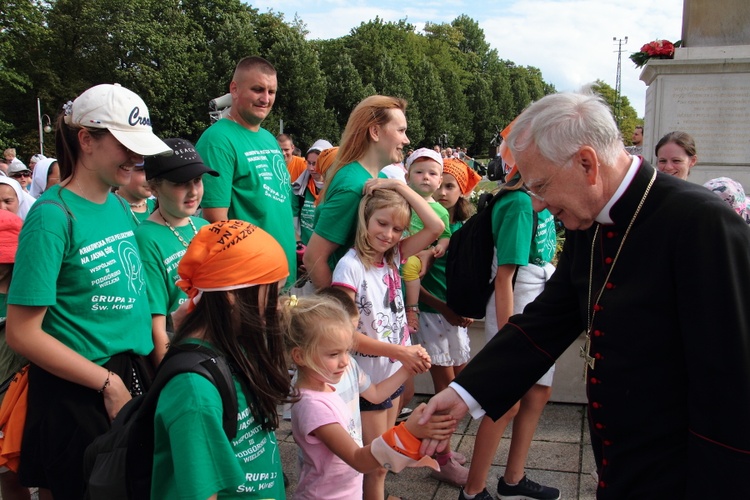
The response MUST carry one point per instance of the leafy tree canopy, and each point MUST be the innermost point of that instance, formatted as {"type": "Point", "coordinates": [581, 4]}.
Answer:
{"type": "Point", "coordinates": [180, 54]}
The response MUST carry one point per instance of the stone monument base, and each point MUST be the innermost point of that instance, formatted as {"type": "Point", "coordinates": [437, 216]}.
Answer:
{"type": "Point", "coordinates": [704, 91]}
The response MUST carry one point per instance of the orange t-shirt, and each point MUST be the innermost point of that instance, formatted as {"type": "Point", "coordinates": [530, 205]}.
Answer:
{"type": "Point", "coordinates": [296, 166]}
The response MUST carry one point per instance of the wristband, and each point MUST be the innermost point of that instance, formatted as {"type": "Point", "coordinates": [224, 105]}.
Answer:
{"type": "Point", "coordinates": [397, 449]}
{"type": "Point", "coordinates": [106, 383]}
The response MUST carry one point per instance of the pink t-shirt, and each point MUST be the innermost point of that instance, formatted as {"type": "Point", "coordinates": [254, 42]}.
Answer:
{"type": "Point", "coordinates": [323, 474]}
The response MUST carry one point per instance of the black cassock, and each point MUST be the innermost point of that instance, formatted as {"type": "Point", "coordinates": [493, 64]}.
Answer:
{"type": "Point", "coordinates": [669, 394]}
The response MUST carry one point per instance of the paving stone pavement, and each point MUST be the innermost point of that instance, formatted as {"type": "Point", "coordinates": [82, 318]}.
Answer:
{"type": "Point", "coordinates": [560, 456]}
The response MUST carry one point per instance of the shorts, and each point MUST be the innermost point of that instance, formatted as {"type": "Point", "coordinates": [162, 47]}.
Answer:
{"type": "Point", "coordinates": [365, 405]}
{"type": "Point", "coordinates": [530, 282]}
{"type": "Point", "coordinates": [446, 344]}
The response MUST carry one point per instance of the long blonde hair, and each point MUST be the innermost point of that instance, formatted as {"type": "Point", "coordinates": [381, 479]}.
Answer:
{"type": "Point", "coordinates": [373, 110]}
{"type": "Point", "coordinates": [380, 198]}
{"type": "Point", "coordinates": [307, 321]}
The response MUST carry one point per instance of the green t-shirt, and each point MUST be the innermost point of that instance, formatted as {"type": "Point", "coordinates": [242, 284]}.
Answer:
{"type": "Point", "coordinates": [512, 223]}
{"type": "Point", "coordinates": [91, 281]}
{"type": "Point", "coordinates": [336, 216]}
{"type": "Point", "coordinates": [161, 252]}
{"type": "Point", "coordinates": [434, 281]}
{"type": "Point", "coordinates": [305, 210]}
{"type": "Point", "coordinates": [416, 225]}
{"type": "Point", "coordinates": [193, 458]}
{"type": "Point", "coordinates": [253, 182]}
{"type": "Point", "coordinates": [150, 206]}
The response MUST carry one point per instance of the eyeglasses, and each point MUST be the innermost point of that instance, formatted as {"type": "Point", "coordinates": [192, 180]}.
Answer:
{"type": "Point", "coordinates": [20, 174]}
{"type": "Point", "coordinates": [539, 190]}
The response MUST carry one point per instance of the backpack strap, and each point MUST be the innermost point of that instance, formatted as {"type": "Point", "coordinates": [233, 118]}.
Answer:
{"type": "Point", "coordinates": [195, 358]}
{"type": "Point", "coordinates": [127, 208]}
{"type": "Point", "coordinates": [181, 358]}
{"type": "Point", "coordinates": [64, 208]}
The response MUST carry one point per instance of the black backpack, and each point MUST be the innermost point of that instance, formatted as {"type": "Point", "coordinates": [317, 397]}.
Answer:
{"type": "Point", "coordinates": [118, 464]}
{"type": "Point", "coordinates": [468, 271]}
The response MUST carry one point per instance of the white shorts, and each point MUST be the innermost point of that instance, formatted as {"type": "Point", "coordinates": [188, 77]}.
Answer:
{"type": "Point", "coordinates": [530, 282]}
{"type": "Point", "coordinates": [446, 344]}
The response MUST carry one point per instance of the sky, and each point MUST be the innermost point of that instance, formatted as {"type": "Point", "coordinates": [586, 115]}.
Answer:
{"type": "Point", "coordinates": [570, 41]}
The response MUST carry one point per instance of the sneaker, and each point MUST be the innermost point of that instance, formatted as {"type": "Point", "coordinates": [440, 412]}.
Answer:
{"type": "Point", "coordinates": [482, 495]}
{"type": "Point", "coordinates": [452, 473]}
{"type": "Point", "coordinates": [526, 489]}
{"type": "Point", "coordinates": [405, 413]}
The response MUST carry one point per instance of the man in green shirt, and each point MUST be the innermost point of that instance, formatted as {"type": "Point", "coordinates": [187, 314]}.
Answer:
{"type": "Point", "coordinates": [254, 184]}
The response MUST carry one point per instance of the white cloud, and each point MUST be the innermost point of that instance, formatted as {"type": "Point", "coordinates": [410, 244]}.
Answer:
{"type": "Point", "coordinates": [570, 41]}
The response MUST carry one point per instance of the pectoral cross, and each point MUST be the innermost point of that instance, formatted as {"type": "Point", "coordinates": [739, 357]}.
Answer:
{"type": "Point", "coordinates": [588, 361]}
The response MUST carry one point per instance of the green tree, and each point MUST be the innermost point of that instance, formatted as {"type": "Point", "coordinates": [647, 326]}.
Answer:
{"type": "Point", "coordinates": [22, 35]}
{"type": "Point", "coordinates": [345, 89]}
{"type": "Point", "coordinates": [300, 101]}
{"type": "Point", "coordinates": [628, 118]}
{"type": "Point", "coordinates": [430, 102]}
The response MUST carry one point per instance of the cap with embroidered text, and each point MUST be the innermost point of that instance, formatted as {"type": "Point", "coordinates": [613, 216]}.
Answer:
{"type": "Point", "coordinates": [185, 164]}
{"type": "Point", "coordinates": [120, 111]}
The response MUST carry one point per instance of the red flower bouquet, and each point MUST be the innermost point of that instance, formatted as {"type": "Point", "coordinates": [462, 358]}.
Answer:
{"type": "Point", "coordinates": [660, 49]}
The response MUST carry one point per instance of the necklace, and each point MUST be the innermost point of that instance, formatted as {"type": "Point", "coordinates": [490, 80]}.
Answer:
{"type": "Point", "coordinates": [83, 193]}
{"type": "Point", "coordinates": [132, 205]}
{"type": "Point", "coordinates": [588, 360]}
{"type": "Point", "coordinates": [179, 236]}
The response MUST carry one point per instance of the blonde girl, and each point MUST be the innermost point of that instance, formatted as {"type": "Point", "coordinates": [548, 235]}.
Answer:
{"type": "Point", "coordinates": [369, 273]}
{"type": "Point", "coordinates": [319, 335]}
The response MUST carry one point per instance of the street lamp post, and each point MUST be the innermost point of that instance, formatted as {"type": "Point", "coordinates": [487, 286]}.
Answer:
{"type": "Point", "coordinates": [42, 128]}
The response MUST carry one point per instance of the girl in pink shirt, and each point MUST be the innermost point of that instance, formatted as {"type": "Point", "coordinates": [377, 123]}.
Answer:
{"type": "Point", "coordinates": [320, 334]}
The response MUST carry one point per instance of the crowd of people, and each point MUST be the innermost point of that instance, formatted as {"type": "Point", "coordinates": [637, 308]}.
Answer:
{"type": "Point", "coordinates": [334, 265]}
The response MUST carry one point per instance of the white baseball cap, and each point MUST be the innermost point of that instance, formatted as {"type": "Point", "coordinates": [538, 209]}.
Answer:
{"type": "Point", "coordinates": [424, 153]}
{"type": "Point", "coordinates": [120, 111]}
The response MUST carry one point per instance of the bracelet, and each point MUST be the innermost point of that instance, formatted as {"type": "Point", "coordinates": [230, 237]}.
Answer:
{"type": "Point", "coordinates": [106, 383]}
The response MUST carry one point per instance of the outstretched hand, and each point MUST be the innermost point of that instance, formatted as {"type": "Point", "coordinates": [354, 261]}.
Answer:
{"type": "Point", "coordinates": [448, 402]}
{"type": "Point", "coordinates": [438, 427]}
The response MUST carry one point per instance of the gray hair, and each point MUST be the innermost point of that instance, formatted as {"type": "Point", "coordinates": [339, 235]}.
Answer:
{"type": "Point", "coordinates": [560, 124]}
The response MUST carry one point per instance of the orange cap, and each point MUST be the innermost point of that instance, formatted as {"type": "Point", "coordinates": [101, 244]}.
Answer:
{"type": "Point", "coordinates": [325, 159]}
{"type": "Point", "coordinates": [505, 153]}
{"type": "Point", "coordinates": [228, 255]}
{"type": "Point", "coordinates": [466, 177]}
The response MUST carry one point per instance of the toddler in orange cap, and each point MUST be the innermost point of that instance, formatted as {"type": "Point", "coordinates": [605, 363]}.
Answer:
{"type": "Point", "coordinates": [231, 271]}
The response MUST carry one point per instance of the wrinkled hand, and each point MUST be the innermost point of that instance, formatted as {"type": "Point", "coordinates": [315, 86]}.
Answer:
{"type": "Point", "coordinates": [439, 427]}
{"type": "Point", "coordinates": [115, 395]}
{"type": "Point", "coordinates": [448, 402]}
{"type": "Point", "coordinates": [415, 359]}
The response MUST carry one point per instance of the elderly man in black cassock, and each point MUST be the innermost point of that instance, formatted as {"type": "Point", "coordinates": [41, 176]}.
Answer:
{"type": "Point", "coordinates": [656, 271]}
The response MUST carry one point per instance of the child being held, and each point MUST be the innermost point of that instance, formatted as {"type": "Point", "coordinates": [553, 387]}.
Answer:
{"type": "Point", "coordinates": [319, 334]}
{"type": "Point", "coordinates": [425, 173]}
